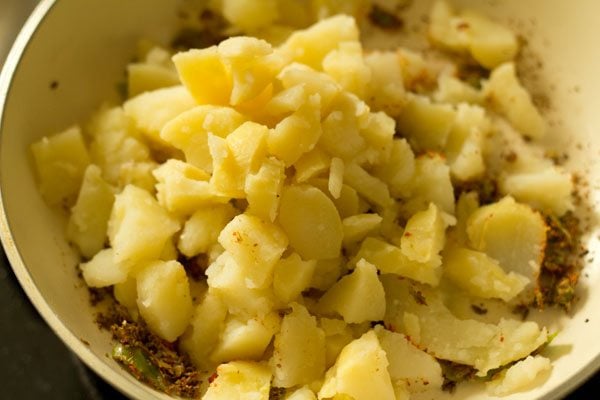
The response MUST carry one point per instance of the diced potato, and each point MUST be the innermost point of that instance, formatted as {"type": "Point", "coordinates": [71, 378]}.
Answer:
{"type": "Point", "coordinates": [379, 133]}
{"type": "Point", "coordinates": [418, 370]}
{"type": "Point", "coordinates": [299, 349]}
{"type": "Point", "coordinates": [357, 297]}
{"type": "Point", "coordinates": [336, 177]}
{"type": "Point", "coordinates": [389, 259]}
{"type": "Point", "coordinates": [292, 276]}
{"type": "Point", "coordinates": [398, 170]}
{"type": "Point", "coordinates": [341, 128]}
{"type": "Point", "coordinates": [202, 229]}
{"type": "Point", "coordinates": [480, 275]}
{"type": "Point", "coordinates": [445, 29]}
{"type": "Point", "coordinates": [385, 91]}
{"type": "Point", "coordinates": [103, 271]}
{"type": "Point", "coordinates": [206, 325]}
{"type": "Point", "coordinates": [304, 393]}
{"type": "Point", "coordinates": [88, 221]}
{"type": "Point", "coordinates": [312, 81]}
{"type": "Point", "coordinates": [454, 91]}
{"type": "Point", "coordinates": [368, 186]}
{"type": "Point", "coordinates": [250, 16]}
{"type": "Point", "coordinates": [508, 97]}
{"type": "Point", "coordinates": [164, 298]}
{"type": "Point", "coordinates": [287, 101]}
{"type": "Point", "coordinates": [359, 226]}
{"type": "Point", "coordinates": [182, 188]}
{"type": "Point", "coordinates": [248, 145]}
{"type": "Point", "coordinates": [255, 245]}
{"type": "Point", "coordinates": [426, 124]}
{"type": "Point", "coordinates": [107, 120]}
{"type": "Point", "coordinates": [138, 174]}
{"type": "Point", "coordinates": [511, 233]}
{"type": "Point", "coordinates": [228, 177]}
{"type": "Point", "coordinates": [139, 227]}
{"type": "Point", "coordinates": [240, 380]}
{"type": "Point", "coordinates": [311, 222]}
{"type": "Point", "coordinates": [337, 335]}
{"type": "Point", "coordinates": [263, 189]}
{"type": "Point", "coordinates": [189, 131]}
{"type": "Point", "coordinates": [126, 294]}
{"type": "Point", "coordinates": [252, 64]}
{"type": "Point", "coordinates": [326, 273]}
{"type": "Point", "coordinates": [311, 165]}
{"type": "Point", "coordinates": [60, 162]}
{"type": "Point", "coordinates": [310, 46]}
{"type": "Point", "coordinates": [144, 77]}
{"type": "Point", "coordinates": [228, 280]}
{"type": "Point", "coordinates": [548, 190]}
{"type": "Point", "coordinates": [346, 65]}
{"type": "Point", "coordinates": [348, 202]}
{"type": "Point", "coordinates": [424, 236]}
{"type": "Point", "coordinates": [151, 111]}
{"type": "Point", "coordinates": [430, 183]}
{"type": "Point", "coordinates": [195, 66]}
{"type": "Point", "coordinates": [297, 133]}
{"type": "Point", "coordinates": [522, 376]}
{"type": "Point", "coordinates": [361, 372]}
{"type": "Point", "coordinates": [245, 339]}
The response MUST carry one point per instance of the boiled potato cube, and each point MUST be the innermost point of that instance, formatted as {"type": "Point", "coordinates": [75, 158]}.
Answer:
{"type": "Point", "coordinates": [311, 165]}
{"type": "Point", "coordinates": [60, 162]}
{"type": "Point", "coordinates": [341, 128]}
{"type": "Point", "coordinates": [409, 364]}
{"type": "Point", "coordinates": [310, 46]}
{"type": "Point", "coordinates": [194, 66]}
{"type": "Point", "coordinates": [386, 88]}
{"type": "Point", "coordinates": [245, 339]}
{"type": "Point", "coordinates": [311, 222]}
{"type": "Point", "coordinates": [357, 297]}
{"type": "Point", "coordinates": [287, 101]}
{"type": "Point", "coordinates": [304, 393]}
{"type": "Point", "coordinates": [379, 133]}
{"type": "Point", "coordinates": [292, 276]}
{"type": "Point", "coordinates": [371, 188]}
{"type": "Point", "coordinates": [182, 188]}
{"type": "Point", "coordinates": [446, 29]}
{"type": "Point", "coordinates": [454, 91]}
{"type": "Point", "coordinates": [508, 97]}
{"type": "Point", "coordinates": [297, 133]}
{"type": "Point", "coordinates": [189, 131]}
{"type": "Point", "coordinates": [299, 349]}
{"type": "Point", "coordinates": [248, 145]}
{"type": "Point", "coordinates": [139, 227]}
{"type": "Point", "coordinates": [88, 221]}
{"type": "Point", "coordinates": [202, 229]}
{"type": "Point", "coordinates": [426, 124]}
{"type": "Point", "coordinates": [359, 226]}
{"type": "Point", "coordinates": [337, 335]}
{"type": "Point", "coordinates": [312, 81]}
{"type": "Point", "coordinates": [126, 294]}
{"type": "Point", "coordinates": [398, 170]}
{"type": "Point", "coordinates": [164, 298]}
{"type": "Point", "coordinates": [480, 275]}
{"type": "Point", "coordinates": [511, 233]}
{"type": "Point", "coordinates": [361, 372]}
{"type": "Point", "coordinates": [206, 325]}
{"type": "Point", "coordinates": [144, 77]}
{"type": "Point", "coordinates": [389, 259]}
{"type": "Point", "coordinates": [151, 111]}
{"type": "Point", "coordinates": [424, 236]}
{"type": "Point", "coordinates": [228, 177]}
{"type": "Point", "coordinates": [103, 271]}
{"type": "Point", "coordinates": [326, 273]}
{"type": "Point", "coordinates": [348, 202]}
{"type": "Point", "coordinates": [347, 66]}
{"type": "Point", "coordinates": [256, 245]}
{"type": "Point", "coordinates": [228, 280]}
{"type": "Point", "coordinates": [250, 16]}
{"type": "Point", "coordinates": [263, 189]}
{"type": "Point", "coordinates": [138, 174]}
{"type": "Point", "coordinates": [240, 380]}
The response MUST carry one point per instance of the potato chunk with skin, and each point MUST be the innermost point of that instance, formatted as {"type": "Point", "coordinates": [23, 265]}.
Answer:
{"type": "Point", "coordinates": [409, 364]}
{"type": "Point", "coordinates": [60, 162]}
{"type": "Point", "coordinates": [389, 259]}
{"type": "Point", "coordinates": [202, 229]}
{"type": "Point", "coordinates": [164, 298]}
{"type": "Point", "coordinates": [357, 297]}
{"type": "Point", "coordinates": [245, 339]}
{"type": "Point", "coordinates": [203, 332]}
{"type": "Point", "coordinates": [480, 275]}
{"type": "Point", "coordinates": [292, 276]}
{"type": "Point", "coordinates": [255, 245]}
{"type": "Point", "coordinates": [88, 222]}
{"type": "Point", "coordinates": [508, 97]}
{"type": "Point", "coordinates": [139, 227]}
{"type": "Point", "coordinates": [361, 371]}
{"type": "Point", "coordinates": [189, 131]}
{"type": "Point", "coordinates": [194, 66]}
{"type": "Point", "coordinates": [151, 111]}
{"type": "Point", "coordinates": [311, 222]}
{"type": "Point", "coordinates": [511, 233]}
{"type": "Point", "coordinates": [240, 380]}
{"type": "Point", "coordinates": [299, 349]}
{"type": "Point", "coordinates": [102, 270]}
{"type": "Point", "coordinates": [263, 189]}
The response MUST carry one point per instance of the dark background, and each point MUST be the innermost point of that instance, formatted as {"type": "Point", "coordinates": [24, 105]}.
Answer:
{"type": "Point", "coordinates": [34, 363]}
